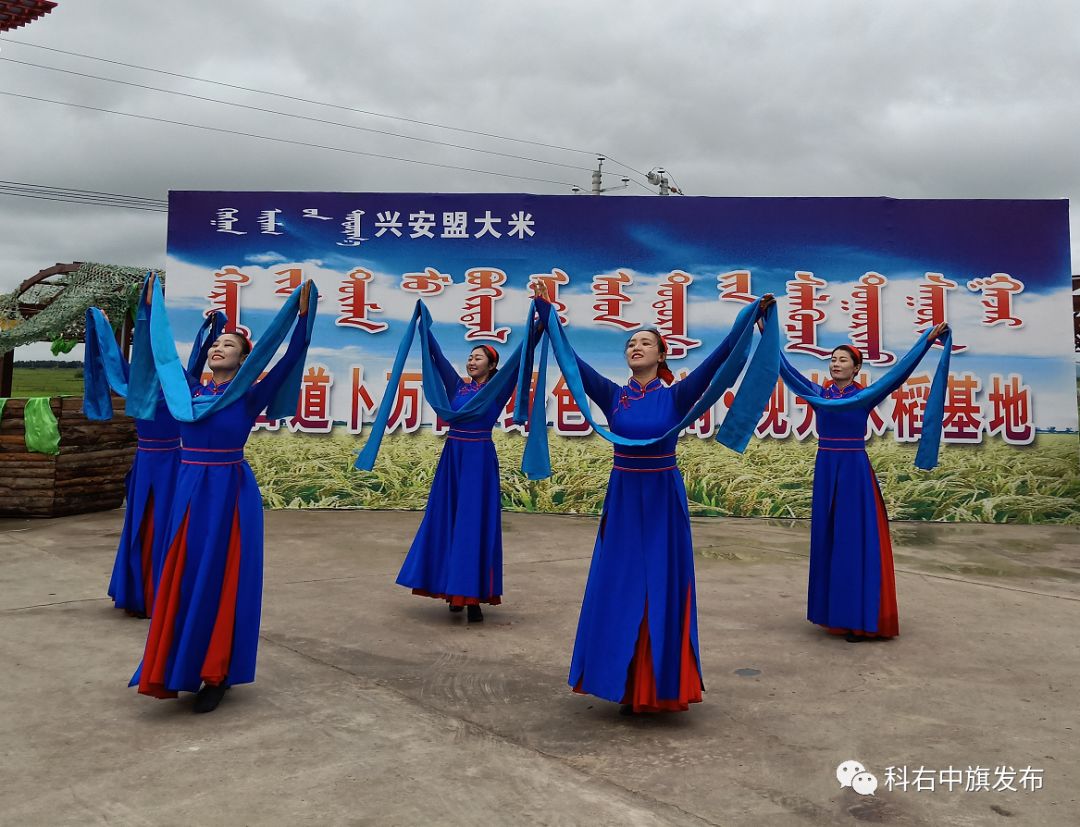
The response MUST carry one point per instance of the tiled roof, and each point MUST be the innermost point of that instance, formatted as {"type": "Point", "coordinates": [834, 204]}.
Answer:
{"type": "Point", "coordinates": [16, 13]}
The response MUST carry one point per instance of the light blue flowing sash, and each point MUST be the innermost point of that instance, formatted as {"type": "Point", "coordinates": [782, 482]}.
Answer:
{"type": "Point", "coordinates": [156, 367]}
{"type": "Point", "coordinates": [434, 389]}
{"type": "Point", "coordinates": [926, 457]}
{"type": "Point", "coordinates": [105, 370]}
{"type": "Point", "coordinates": [738, 426]}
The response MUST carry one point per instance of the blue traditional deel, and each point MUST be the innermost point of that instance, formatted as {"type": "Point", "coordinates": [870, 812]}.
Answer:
{"type": "Point", "coordinates": [205, 624]}
{"type": "Point", "coordinates": [150, 482]}
{"type": "Point", "coordinates": [457, 552]}
{"type": "Point", "coordinates": [851, 581]}
{"type": "Point", "coordinates": [637, 640]}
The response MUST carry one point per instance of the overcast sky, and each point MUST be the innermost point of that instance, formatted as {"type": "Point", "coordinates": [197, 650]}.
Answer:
{"type": "Point", "coordinates": [847, 97]}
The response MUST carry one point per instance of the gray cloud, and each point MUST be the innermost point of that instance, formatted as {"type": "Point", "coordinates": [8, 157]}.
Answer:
{"type": "Point", "coordinates": [918, 99]}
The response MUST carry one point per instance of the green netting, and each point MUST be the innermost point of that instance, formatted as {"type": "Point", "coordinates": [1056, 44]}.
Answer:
{"type": "Point", "coordinates": [114, 289]}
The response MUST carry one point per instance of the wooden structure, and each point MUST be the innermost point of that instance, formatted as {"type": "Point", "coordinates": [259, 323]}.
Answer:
{"type": "Point", "coordinates": [89, 472]}
{"type": "Point", "coordinates": [16, 13]}
{"type": "Point", "coordinates": [87, 475]}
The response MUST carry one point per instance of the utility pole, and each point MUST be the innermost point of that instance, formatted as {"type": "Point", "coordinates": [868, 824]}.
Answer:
{"type": "Point", "coordinates": [598, 179]}
{"type": "Point", "coordinates": [658, 177]}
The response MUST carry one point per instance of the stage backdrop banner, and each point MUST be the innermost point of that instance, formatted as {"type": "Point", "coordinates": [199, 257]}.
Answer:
{"type": "Point", "coordinates": [874, 272]}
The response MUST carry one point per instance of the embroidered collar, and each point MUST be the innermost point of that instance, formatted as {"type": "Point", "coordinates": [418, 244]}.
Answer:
{"type": "Point", "coordinates": [211, 388]}
{"type": "Point", "coordinates": [833, 392]}
{"type": "Point", "coordinates": [470, 386]}
{"type": "Point", "coordinates": [632, 391]}
{"type": "Point", "coordinates": [635, 386]}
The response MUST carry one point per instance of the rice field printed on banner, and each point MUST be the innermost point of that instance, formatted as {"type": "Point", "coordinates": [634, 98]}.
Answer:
{"type": "Point", "coordinates": [772, 479]}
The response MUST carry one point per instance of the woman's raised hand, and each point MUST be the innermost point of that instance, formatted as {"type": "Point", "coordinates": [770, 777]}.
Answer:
{"type": "Point", "coordinates": [305, 293]}
{"type": "Point", "coordinates": [767, 301]}
{"type": "Point", "coordinates": [540, 290]}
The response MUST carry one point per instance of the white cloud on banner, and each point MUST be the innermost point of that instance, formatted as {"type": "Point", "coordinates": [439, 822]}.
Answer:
{"type": "Point", "coordinates": [189, 287]}
{"type": "Point", "coordinates": [1047, 328]}
{"type": "Point", "coordinates": [265, 258]}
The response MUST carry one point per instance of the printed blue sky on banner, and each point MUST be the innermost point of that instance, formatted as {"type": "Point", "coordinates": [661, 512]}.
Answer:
{"type": "Point", "coordinates": [838, 240]}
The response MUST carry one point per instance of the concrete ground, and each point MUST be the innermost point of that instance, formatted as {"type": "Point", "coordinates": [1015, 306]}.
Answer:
{"type": "Point", "coordinates": [373, 706]}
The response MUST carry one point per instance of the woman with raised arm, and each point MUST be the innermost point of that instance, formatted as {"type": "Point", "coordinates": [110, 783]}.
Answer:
{"type": "Point", "coordinates": [150, 482]}
{"type": "Point", "coordinates": [637, 641]}
{"type": "Point", "coordinates": [204, 630]}
{"type": "Point", "coordinates": [852, 590]}
{"type": "Point", "coordinates": [457, 552]}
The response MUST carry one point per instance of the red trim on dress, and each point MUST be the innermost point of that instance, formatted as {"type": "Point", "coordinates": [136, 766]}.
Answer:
{"type": "Point", "coordinates": [459, 600]}
{"type": "Point", "coordinates": [215, 667]}
{"type": "Point", "coordinates": [467, 439]}
{"type": "Point", "coordinates": [146, 536]}
{"type": "Point", "coordinates": [163, 619]}
{"type": "Point", "coordinates": [641, 681]}
{"type": "Point", "coordinates": [888, 615]}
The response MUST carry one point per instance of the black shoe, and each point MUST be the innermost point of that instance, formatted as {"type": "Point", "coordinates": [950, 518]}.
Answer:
{"type": "Point", "coordinates": [475, 614]}
{"type": "Point", "coordinates": [851, 637]}
{"type": "Point", "coordinates": [210, 696]}
{"type": "Point", "coordinates": [455, 609]}
{"type": "Point", "coordinates": [626, 709]}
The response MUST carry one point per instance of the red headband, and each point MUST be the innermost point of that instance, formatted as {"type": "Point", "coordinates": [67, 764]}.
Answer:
{"type": "Point", "coordinates": [854, 350]}
{"type": "Point", "coordinates": [492, 354]}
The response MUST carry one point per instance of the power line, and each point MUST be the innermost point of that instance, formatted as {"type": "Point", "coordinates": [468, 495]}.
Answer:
{"type": "Point", "coordinates": [300, 99]}
{"type": "Point", "coordinates": [638, 172]}
{"type": "Point", "coordinates": [84, 202]}
{"type": "Point", "coordinates": [298, 117]}
{"type": "Point", "coordinates": [341, 107]}
{"type": "Point", "coordinates": [78, 192]}
{"type": "Point", "coordinates": [286, 140]}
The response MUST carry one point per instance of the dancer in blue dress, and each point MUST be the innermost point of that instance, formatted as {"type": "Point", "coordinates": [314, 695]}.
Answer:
{"type": "Point", "coordinates": [852, 584]}
{"type": "Point", "coordinates": [457, 552]}
{"type": "Point", "coordinates": [205, 626]}
{"type": "Point", "coordinates": [637, 639]}
{"type": "Point", "coordinates": [149, 483]}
